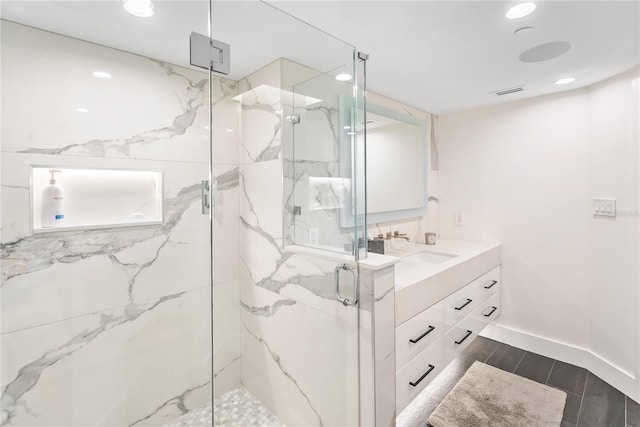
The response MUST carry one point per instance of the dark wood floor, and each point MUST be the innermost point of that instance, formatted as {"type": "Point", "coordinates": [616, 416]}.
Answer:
{"type": "Point", "coordinates": [590, 401]}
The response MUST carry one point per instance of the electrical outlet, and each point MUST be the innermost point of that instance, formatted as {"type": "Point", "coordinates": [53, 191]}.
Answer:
{"type": "Point", "coordinates": [458, 219]}
{"type": "Point", "coordinates": [604, 207]}
{"type": "Point", "coordinates": [314, 236]}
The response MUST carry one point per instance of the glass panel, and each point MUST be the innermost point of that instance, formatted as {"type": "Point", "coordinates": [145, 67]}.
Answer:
{"type": "Point", "coordinates": [104, 326]}
{"type": "Point", "coordinates": [321, 164]}
{"type": "Point", "coordinates": [285, 349]}
{"type": "Point", "coordinates": [327, 161]}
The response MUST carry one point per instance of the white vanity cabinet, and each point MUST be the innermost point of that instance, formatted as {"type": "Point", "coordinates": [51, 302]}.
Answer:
{"type": "Point", "coordinates": [427, 342]}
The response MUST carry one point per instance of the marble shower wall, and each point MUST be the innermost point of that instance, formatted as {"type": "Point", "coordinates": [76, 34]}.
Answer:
{"type": "Point", "coordinates": [299, 345]}
{"type": "Point", "coordinates": [109, 327]}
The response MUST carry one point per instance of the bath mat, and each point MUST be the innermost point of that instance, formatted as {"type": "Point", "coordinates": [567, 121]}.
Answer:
{"type": "Point", "coordinates": [490, 397]}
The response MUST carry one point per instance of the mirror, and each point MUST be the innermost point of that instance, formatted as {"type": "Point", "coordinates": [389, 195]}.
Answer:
{"type": "Point", "coordinates": [396, 165]}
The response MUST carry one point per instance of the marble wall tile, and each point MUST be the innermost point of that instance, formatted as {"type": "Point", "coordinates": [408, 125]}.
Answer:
{"type": "Point", "coordinates": [225, 112]}
{"type": "Point", "coordinates": [385, 346]}
{"type": "Point", "coordinates": [261, 115]}
{"type": "Point", "coordinates": [54, 276]}
{"type": "Point", "coordinates": [227, 359]}
{"type": "Point", "coordinates": [226, 222]}
{"type": "Point", "coordinates": [125, 366]}
{"type": "Point", "coordinates": [173, 129]}
{"type": "Point", "coordinates": [300, 362]}
{"type": "Point", "coordinates": [107, 326]}
{"type": "Point", "coordinates": [261, 198]}
{"type": "Point", "coordinates": [299, 344]}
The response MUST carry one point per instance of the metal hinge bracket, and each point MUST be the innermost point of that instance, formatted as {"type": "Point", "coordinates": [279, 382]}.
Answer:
{"type": "Point", "coordinates": [210, 54]}
{"type": "Point", "coordinates": [363, 56]}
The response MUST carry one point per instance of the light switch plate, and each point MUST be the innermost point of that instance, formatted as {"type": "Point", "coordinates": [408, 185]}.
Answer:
{"type": "Point", "coordinates": [604, 207]}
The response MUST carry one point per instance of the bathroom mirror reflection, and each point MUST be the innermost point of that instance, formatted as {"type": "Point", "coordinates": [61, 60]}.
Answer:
{"type": "Point", "coordinates": [396, 165]}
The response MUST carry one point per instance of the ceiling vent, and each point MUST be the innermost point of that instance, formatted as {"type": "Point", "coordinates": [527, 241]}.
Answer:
{"type": "Point", "coordinates": [508, 91]}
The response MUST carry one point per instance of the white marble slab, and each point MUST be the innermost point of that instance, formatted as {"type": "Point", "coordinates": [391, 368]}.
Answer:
{"type": "Point", "coordinates": [161, 110]}
{"type": "Point", "coordinates": [227, 352]}
{"type": "Point", "coordinates": [300, 362]}
{"type": "Point", "coordinates": [424, 285]}
{"type": "Point", "coordinates": [55, 276]}
{"type": "Point", "coordinates": [116, 367]}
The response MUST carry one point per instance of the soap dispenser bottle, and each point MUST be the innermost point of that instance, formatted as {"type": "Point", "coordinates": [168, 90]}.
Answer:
{"type": "Point", "coordinates": [52, 203]}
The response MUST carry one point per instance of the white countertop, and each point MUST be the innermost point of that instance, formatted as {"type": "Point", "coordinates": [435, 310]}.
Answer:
{"type": "Point", "coordinates": [407, 275]}
{"type": "Point", "coordinates": [420, 285]}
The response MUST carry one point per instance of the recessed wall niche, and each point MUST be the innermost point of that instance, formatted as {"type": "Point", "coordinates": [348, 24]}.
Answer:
{"type": "Point", "coordinates": [94, 198]}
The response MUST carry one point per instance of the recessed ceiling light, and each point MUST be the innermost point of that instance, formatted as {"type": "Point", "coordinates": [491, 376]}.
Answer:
{"type": "Point", "coordinates": [347, 126]}
{"type": "Point", "coordinates": [101, 74]}
{"type": "Point", "coordinates": [229, 130]}
{"type": "Point", "coordinates": [520, 10]}
{"type": "Point", "coordinates": [351, 133]}
{"type": "Point", "coordinates": [565, 80]}
{"type": "Point", "coordinates": [344, 77]}
{"type": "Point", "coordinates": [139, 8]}
{"type": "Point", "coordinates": [82, 110]}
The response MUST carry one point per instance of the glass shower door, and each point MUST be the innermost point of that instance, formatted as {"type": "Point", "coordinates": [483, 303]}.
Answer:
{"type": "Point", "coordinates": [106, 307]}
{"type": "Point", "coordinates": [286, 350]}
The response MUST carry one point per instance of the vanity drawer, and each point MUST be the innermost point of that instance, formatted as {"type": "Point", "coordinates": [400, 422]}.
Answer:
{"type": "Point", "coordinates": [460, 336]}
{"type": "Point", "coordinates": [488, 284]}
{"type": "Point", "coordinates": [461, 303]}
{"type": "Point", "coordinates": [418, 333]}
{"type": "Point", "coordinates": [417, 374]}
{"type": "Point", "coordinates": [489, 309]}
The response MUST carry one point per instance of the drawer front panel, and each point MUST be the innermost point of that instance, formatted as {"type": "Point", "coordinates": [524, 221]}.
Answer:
{"type": "Point", "coordinates": [489, 310]}
{"type": "Point", "coordinates": [460, 304]}
{"type": "Point", "coordinates": [460, 336]}
{"type": "Point", "coordinates": [489, 283]}
{"type": "Point", "coordinates": [418, 333]}
{"type": "Point", "coordinates": [416, 375]}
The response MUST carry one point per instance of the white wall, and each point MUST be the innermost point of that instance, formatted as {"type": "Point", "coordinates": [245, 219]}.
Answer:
{"type": "Point", "coordinates": [524, 173]}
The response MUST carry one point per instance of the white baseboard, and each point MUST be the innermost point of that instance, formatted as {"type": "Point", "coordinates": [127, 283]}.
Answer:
{"type": "Point", "coordinates": [616, 377]}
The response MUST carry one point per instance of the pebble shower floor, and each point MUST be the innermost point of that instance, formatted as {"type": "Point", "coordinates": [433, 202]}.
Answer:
{"type": "Point", "coordinates": [236, 408]}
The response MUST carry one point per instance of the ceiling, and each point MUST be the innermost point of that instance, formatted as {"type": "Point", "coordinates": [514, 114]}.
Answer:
{"type": "Point", "coordinates": [439, 56]}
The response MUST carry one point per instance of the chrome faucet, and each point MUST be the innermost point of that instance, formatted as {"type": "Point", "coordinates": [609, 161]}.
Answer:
{"type": "Point", "coordinates": [397, 235]}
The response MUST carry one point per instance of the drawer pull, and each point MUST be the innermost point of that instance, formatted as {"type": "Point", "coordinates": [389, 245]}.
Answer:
{"type": "Point", "coordinates": [464, 305]}
{"type": "Point", "coordinates": [431, 368]}
{"type": "Point", "coordinates": [493, 310]}
{"type": "Point", "coordinates": [465, 337]}
{"type": "Point", "coordinates": [490, 284]}
{"type": "Point", "coordinates": [415, 340]}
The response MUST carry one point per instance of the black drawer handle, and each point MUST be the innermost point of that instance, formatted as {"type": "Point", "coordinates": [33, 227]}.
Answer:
{"type": "Point", "coordinates": [493, 310]}
{"type": "Point", "coordinates": [490, 285]}
{"type": "Point", "coordinates": [415, 340]}
{"type": "Point", "coordinates": [465, 337]}
{"type": "Point", "coordinates": [464, 305]}
{"type": "Point", "coordinates": [431, 368]}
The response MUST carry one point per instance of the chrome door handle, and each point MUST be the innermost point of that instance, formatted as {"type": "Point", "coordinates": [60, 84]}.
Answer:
{"type": "Point", "coordinates": [336, 284]}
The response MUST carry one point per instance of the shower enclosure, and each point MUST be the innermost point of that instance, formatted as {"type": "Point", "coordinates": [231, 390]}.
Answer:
{"type": "Point", "coordinates": [205, 265]}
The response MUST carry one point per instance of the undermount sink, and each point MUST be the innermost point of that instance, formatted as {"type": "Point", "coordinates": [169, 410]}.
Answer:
{"type": "Point", "coordinates": [428, 258]}
{"type": "Point", "coordinates": [412, 254]}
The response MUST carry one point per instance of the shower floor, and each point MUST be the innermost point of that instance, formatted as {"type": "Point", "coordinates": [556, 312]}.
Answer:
{"type": "Point", "coordinates": [236, 408]}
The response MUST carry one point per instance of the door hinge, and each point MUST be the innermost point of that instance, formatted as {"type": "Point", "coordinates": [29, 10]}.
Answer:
{"type": "Point", "coordinates": [210, 54]}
